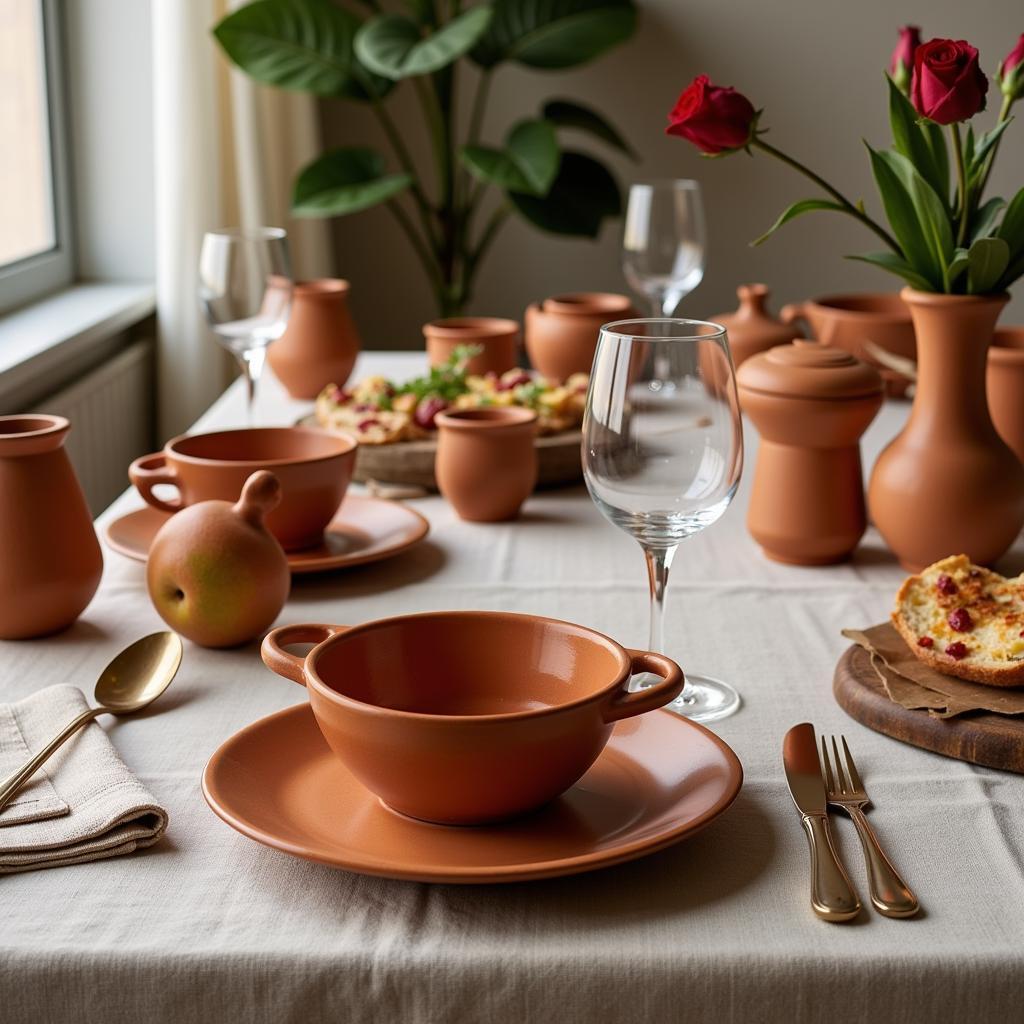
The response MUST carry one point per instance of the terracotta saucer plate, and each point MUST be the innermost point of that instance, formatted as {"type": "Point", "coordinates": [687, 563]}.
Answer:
{"type": "Point", "coordinates": [660, 778]}
{"type": "Point", "coordinates": [363, 530]}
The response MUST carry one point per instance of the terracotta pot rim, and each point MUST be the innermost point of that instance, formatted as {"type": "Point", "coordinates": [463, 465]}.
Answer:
{"type": "Point", "coordinates": [829, 304]}
{"type": "Point", "coordinates": [482, 327]}
{"type": "Point", "coordinates": [321, 286]}
{"type": "Point", "coordinates": [1012, 354]}
{"type": "Point", "coordinates": [584, 304]}
{"type": "Point", "coordinates": [347, 445]}
{"type": "Point", "coordinates": [912, 295]}
{"type": "Point", "coordinates": [39, 432]}
{"type": "Point", "coordinates": [314, 679]}
{"type": "Point", "coordinates": [486, 418]}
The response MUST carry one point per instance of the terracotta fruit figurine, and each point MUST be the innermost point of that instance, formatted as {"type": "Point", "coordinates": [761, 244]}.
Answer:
{"type": "Point", "coordinates": [496, 339]}
{"type": "Point", "coordinates": [50, 561]}
{"type": "Point", "coordinates": [215, 572]}
{"type": "Point", "coordinates": [751, 327]}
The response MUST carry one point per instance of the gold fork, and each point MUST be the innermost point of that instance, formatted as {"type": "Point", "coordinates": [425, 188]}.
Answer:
{"type": "Point", "coordinates": [890, 895]}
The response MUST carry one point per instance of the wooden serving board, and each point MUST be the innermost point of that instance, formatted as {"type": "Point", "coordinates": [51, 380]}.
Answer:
{"type": "Point", "coordinates": [996, 741]}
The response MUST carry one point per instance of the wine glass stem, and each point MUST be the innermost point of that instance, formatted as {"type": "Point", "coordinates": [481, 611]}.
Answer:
{"type": "Point", "coordinates": [251, 363]}
{"type": "Point", "coordinates": [659, 561]}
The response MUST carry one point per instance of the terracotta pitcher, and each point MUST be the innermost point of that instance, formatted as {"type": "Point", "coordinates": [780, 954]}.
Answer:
{"type": "Point", "coordinates": [50, 560]}
{"type": "Point", "coordinates": [948, 483]}
{"type": "Point", "coordinates": [751, 327]}
{"type": "Point", "coordinates": [1006, 386]}
{"type": "Point", "coordinates": [320, 345]}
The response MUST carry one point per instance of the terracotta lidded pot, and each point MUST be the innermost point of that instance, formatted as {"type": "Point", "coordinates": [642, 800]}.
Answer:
{"type": "Point", "coordinates": [948, 484]}
{"type": "Point", "coordinates": [561, 332]}
{"type": "Point", "coordinates": [486, 463]}
{"type": "Point", "coordinates": [811, 404]}
{"type": "Point", "coordinates": [50, 560]}
{"type": "Point", "coordinates": [320, 344]}
{"type": "Point", "coordinates": [751, 327]}
{"type": "Point", "coordinates": [496, 337]}
{"type": "Point", "coordinates": [1005, 386]}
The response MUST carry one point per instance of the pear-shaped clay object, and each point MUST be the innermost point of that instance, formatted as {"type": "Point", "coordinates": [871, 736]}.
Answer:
{"type": "Point", "coordinates": [215, 572]}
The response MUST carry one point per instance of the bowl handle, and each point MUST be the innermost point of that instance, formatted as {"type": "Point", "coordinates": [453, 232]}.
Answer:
{"type": "Point", "coordinates": [149, 470]}
{"type": "Point", "coordinates": [624, 704]}
{"type": "Point", "coordinates": [278, 660]}
{"type": "Point", "coordinates": [793, 312]}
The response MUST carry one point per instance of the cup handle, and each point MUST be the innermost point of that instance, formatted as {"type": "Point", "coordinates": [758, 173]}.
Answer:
{"type": "Point", "coordinates": [624, 704]}
{"type": "Point", "coordinates": [149, 470]}
{"type": "Point", "coordinates": [793, 312]}
{"type": "Point", "coordinates": [278, 660]}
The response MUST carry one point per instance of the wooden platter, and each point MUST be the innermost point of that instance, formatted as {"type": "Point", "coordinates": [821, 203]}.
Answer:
{"type": "Point", "coordinates": [995, 741]}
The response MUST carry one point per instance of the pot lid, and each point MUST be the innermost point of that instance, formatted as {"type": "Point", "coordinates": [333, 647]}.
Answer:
{"type": "Point", "coordinates": [805, 369]}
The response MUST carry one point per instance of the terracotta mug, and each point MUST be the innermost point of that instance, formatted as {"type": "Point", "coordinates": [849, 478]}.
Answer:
{"type": "Point", "coordinates": [486, 462]}
{"type": "Point", "coordinates": [313, 466]}
{"type": "Point", "coordinates": [497, 338]}
{"type": "Point", "coordinates": [1005, 386]}
{"type": "Point", "coordinates": [467, 717]}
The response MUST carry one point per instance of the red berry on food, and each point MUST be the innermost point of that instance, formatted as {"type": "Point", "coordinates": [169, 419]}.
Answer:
{"type": "Point", "coordinates": [370, 421]}
{"type": "Point", "coordinates": [957, 650]}
{"type": "Point", "coordinates": [925, 641]}
{"type": "Point", "coordinates": [960, 620]}
{"type": "Point", "coordinates": [339, 394]}
{"type": "Point", "coordinates": [365, 407]}
{"type": "Point", "coordinates": [427, 410]}
{"type": "Point", "coordinates": [513, 381]}
{"type": "Point", "coordinates": [945, 585]}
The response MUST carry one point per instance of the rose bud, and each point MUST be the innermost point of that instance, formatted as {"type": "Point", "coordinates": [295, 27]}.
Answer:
{"type": "Point", "coordinates": [948, 85]}
{"type": "Point", "coordinates": [715, 119]}
{"type": "Point", "coordinates": [1011, 72]}
{"type": "Point", "coordinates": [902, 63]}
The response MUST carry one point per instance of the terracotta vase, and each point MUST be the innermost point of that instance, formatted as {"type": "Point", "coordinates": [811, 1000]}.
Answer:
{"type": "Point", "coordinates": [811, 404]}
{"type": "Point", "coordinates": [320, 344]}
{"type": "Point", "coordinates": [852, 321]}
{"type": "Point", "coordinates": [1006, 386]}
{"type": "Point", "coordinates": [486, 464]}
{"type": "Point", "coordinates": [50, 560]}
{"type": "Point", "coordinates": [751, 327]}
{"type": "Point", "coordinates": [498, 340]}
{"type": "Point", "coordinates": [948, 484]}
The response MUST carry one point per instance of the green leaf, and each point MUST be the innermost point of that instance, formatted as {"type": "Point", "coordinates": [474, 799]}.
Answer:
{"type": "Point", "coordinates": [391, 44]}
{"type": "Point", "coordinates": [985, 143]}
{"type": "Point", "coordinates": [803, 206]}
{"type": "Point", "coordinates": [985, 217]}
{"type": "Point", "coordinates": [566, 114]}
{"type": "Point", "coordinates": [528, 163]}
{"type": "Point", "coordinates": [1012, 228]}
{"type": "Point", "coordinates": [344, 181]}
{"type": "Point", "coordinates": [957, 266]}
{"type": "Point", "coordinates": [584, 193]}
{"type": "Point", "coordinates": [554, 33]}
{"type": "Point", "coordinates": [911, 140]}
{"type": "Point", "coordinates": [987, 259]}
{"type": "Point", "coordinates": [895, 265]}
{"type": "Point", "coordinates": [936, 138]}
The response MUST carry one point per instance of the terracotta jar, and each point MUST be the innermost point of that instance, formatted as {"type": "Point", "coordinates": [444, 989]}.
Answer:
{"type": "Point", "coordinates": [561, 332]}
{"type": "Point", "coordinates": [1006, 386]}
{"type": "Point", "coordinates": [752, 328]}
{"type": "Point", "coordinates": [50, 560]}
{"type": "Point", "coordinates": [811, 405]}
{"type": "Point", "coordinates": [851, 321]}
{"type": "Point", "coordinates": [486, 464]}
{"type": "Point", "coordinates": [497, 338]}
{"type": "Point", "coordinates": [320, 344]}
{"type": "Point", "coordinates": [948, 484]}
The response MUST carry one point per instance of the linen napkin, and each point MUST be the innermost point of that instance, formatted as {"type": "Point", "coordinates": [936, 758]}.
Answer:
{"type": "Point", "coordinates": [83, 804]}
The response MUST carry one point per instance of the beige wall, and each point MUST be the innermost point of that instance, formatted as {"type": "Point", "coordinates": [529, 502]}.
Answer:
{"type": "Point", "coordinates": [814, 65]}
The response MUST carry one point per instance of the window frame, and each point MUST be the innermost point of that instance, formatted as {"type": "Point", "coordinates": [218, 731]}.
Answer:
{"type": "Point", "coordinates": [30, 278]}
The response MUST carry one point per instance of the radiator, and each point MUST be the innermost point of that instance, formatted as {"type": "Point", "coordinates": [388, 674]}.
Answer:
{"type": "Point", "coordinates": [111, 414]}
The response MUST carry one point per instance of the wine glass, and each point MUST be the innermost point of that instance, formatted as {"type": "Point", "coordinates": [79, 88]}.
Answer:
{"type": "Point", "coordinates": [245, 287]}
{"type": "Point", "coordinates": [662, 455]}
{"type": "Point", "coordinates": [663, 242]}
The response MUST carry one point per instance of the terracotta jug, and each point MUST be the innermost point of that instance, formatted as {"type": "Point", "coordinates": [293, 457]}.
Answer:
{"type": "Point", "coordinates": [811, 404]}
{"type": "Point", "coordinates": [751, 327]}
{"type": "Point", "coordinates": [320, 344]}
{"type": "Point", "coordinates": [948, 483]}
{"type": "Point", "coordinates": [1006, 386]}
{"type": "Point", "coordinates": [50, 560]}
{"type": "Point", "coordinates": [497, 339]}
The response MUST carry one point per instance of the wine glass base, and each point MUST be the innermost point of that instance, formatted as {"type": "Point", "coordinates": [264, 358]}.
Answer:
{"type": "Point", "coordinates": [703, 699]}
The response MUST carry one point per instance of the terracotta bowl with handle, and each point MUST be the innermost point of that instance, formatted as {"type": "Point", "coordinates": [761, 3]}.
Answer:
{"type": "Point", "coordinates": [462, 718]}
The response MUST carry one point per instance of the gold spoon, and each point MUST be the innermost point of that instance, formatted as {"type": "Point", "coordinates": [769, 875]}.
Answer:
{"type": "Point", "coordinates": [133, 680]}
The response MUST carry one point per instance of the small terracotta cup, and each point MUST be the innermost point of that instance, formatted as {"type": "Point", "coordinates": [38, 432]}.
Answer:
{"type": "Point", "coordinates": [313, 466]}
{"type": "Point", "coordinates": [1005, 386]}
{"type": "Point", "coordinates": [486, 462]}
{"type": "Point", "coordinates": [467, 717]}
{"type": "Point", "coordinates": [498, 338]}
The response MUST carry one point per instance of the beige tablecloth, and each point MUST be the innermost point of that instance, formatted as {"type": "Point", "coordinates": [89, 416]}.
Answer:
{"type": "Point", "coordinates": [208, 926]}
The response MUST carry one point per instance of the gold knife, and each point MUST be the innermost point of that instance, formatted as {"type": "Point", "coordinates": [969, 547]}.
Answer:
{"type": "Point", "coordinates": [832, 895]}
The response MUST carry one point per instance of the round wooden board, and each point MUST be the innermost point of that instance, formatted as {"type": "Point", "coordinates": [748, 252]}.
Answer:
{"type": "Point", "coordinates": [996, 741]}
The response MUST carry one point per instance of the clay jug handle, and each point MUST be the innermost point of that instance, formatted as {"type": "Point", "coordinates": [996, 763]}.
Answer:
{"type": "Point", "coordinates": [149, 470]}
{"type": "Point", "coordinates": [278, 660]}
{"type": "Point", "coordinates": [624, 704]}
{"type": "Point", "coordinates": [793, 312]}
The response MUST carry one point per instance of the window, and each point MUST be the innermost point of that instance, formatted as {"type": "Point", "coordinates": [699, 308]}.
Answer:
{"type": "Point", "coordinates": [35, 243]}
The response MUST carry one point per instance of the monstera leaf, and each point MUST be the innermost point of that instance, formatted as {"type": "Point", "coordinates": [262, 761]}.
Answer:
{"type": "Point", "coordinates": [344, 181]}
{"type": "Point", "coordinates": [528, 163]}
{"type": "Point", "coordinates": [583, 194]}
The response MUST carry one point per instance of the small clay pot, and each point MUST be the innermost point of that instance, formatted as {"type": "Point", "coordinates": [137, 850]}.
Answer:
{"type": "Point", "coordinates": [751, 328]}
{"type": "Point", "coordinates": [320, 344]}
{"type": "Point", "coordinates": [1005, 383]}
{"type": "Point", "coordinates": [811, 404]}
{"type": "Point", "coordinates": [498, 339]}
{"type": "Point", "coordinates": [562, 332]}
{"type": "Point", "coordinates": [486, 463]}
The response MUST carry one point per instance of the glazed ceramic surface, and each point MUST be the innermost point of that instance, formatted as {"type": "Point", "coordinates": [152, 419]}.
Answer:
{"type": "Point", "coordinates": [50, 560]}
{"type": "Point", "coordinates": [498, 339]}
{"type": "Point", "coordinates": [467, 717]}
{"type": "Point", "coordinates": [1006, 386]}
{"type": "Point", "coordinates": [314, 467]}
{"type": "Point", "coordinates": [751, 328]}
{"type": "Point", "coordinates": [320, 344]}
{"type": "Point", "coordinates": [948, 483]}
{"type": "Point", "coordinates": [660, 779]}
{"type": "Point", "coordinates": [486, 464]}
{"type": "Point", "coordinates": [561, 332]}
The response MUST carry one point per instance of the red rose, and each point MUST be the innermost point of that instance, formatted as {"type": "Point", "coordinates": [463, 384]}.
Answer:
{"type": "Point", "coordinates": [902, 62]}
{"type": "Point", "coordinates": [1011, 72]}
{"type": "Point", "coordinates": [715, 119]}
{"type": "Point", "coordinates": [948, 85]}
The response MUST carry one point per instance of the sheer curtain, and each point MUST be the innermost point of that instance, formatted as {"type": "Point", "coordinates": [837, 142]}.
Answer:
{"type": "Point", "coordinates": [226, 151]}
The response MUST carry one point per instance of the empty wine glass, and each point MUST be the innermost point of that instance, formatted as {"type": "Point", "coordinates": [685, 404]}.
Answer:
{"type": "Point", "coordinates": [662, 455]}
{"type": "Point", "coordinates": [245, 287]}
{"type": "Point", "coordinates": [663, 242]}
